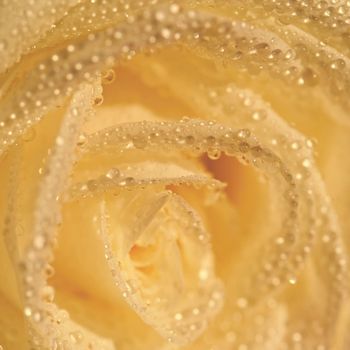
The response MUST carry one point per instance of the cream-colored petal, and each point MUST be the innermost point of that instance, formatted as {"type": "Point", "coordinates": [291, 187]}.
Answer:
{"type": "Point", "coordinates": [305, 80]}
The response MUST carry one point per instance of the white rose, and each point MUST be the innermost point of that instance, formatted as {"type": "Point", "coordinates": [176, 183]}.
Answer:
{"type": "Point", "coordinates": [174, 175]}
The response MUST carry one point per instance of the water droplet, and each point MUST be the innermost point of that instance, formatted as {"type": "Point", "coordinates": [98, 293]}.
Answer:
{"type": "Point", "coordinates": [243, 147]}
{"type": "Point", "coordinates": [139, 142]}
{"type": "Point", "coordinates": [92, 185]}
{"type": "Point", "coordinates": [127, 181]}
{"type": "Point", "coordinates": [112, 173]}
{"type": "Point", "coordinates": [242, 303]}
{"type": "Point", "coordinates": [39, 242]}
{"type": "Point", "coordinates": [210, 140]}
{"type": "Point", "coordinates": [49, 271]}
{"type": "Point", "coordinates": [203, 274]}
{"type": "Point", "coordinates": [338, 64]}
{"type": "Point", "coordinates": [189, 139]}
{"type": "Point", "coordinates": [108, 77]}
{"type": "Point", "coordinates": [214, 154]}
{"type": "Point", "coordinates": [296, 337]}
{"type": "Point", "coordinates": [308, 77]}
{"type": "Point", "coordinates": [244, 133]}
{"type": "Point", "coordinates": [165, 33]}
{"type": "Point", "coordinates": [306, 163]}
{"type": "Point", "coordinates": [59, 141]}
{"type": "Point", "coordinates": [81, 140]}
{"type": "Point", "coordinates": [174, 8]}
{"type": "Point", "coordinates": [259, 115]}
{"type": "Point", "coordinates": [47, 293]}
{"type": "Point", "coordinates": [289, 55]}
{"type": "Point", "coordinates": [98, 101]}
{"type": "Point", "coordinates": [295, 146]}
{"type": "Point", "coordinates": [27, 311]}
{"type": "Point", "coordinates": [178, 316]}
{"type": "Point", "coordinates": [292, 280]}
{"type": "Point", "coordinates": [37, 316]}
{"type": "Point", "coordinates": [76, 337]}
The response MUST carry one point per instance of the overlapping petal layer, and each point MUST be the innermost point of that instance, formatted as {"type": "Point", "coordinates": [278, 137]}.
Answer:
{"type": "Point", "coordinates": [181, 166]}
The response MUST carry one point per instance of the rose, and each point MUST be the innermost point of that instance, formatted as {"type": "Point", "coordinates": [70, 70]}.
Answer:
{"type": "Point", "coordinates": [136, 201]}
